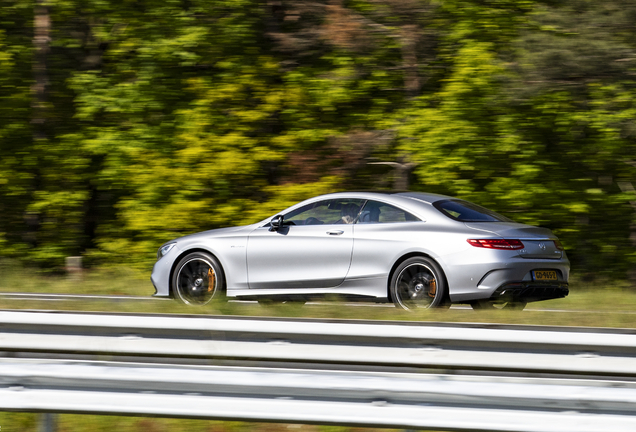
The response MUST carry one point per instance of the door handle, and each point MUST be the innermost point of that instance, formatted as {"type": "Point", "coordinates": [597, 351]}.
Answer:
{"type": "Point", "coordinates": [335, 232]}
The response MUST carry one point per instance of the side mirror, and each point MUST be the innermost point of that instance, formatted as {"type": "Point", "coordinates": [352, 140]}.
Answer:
{"type": "Point", "coordinates": [276, 223]}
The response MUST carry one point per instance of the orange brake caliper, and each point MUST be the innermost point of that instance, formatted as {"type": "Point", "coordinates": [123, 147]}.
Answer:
{"type": "Point", "coordinates": [433, 288]}
{"type": "Point", "coordinates": [211, 280]}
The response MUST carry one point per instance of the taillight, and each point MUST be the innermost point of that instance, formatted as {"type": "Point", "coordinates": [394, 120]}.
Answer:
{"type": "Point", "coordinates": [497, 243]}
{"type": "Point", "coordinates": [558, 245]}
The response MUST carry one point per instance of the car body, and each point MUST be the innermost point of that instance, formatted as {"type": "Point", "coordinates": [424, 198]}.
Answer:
{"type": "Point", "coordinates": [415, 249]}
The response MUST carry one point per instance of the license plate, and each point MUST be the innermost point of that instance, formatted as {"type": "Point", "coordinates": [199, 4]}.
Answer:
{"type": "Point", "coordinates": [545, 275]}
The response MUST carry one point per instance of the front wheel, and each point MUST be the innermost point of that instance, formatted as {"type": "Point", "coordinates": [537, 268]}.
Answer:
{"type": "Point", "coordinates": [197, 279]}
{"type": "Point", "coordinates": [418, 282]}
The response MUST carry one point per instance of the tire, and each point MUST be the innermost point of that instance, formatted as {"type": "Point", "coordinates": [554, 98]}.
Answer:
{"type": "Point", "coordinates": [485, 305]}
{"type": "Point", "coordinates": [418, 282]}
{"type": "Point", "coordinates": [197, 279]}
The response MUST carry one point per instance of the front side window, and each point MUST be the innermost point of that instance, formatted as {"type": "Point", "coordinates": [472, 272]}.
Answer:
{"type": "Point", "coordinates": [333, 211]}
{"type": "Point", "coordinates": [378, 212]}
{"type": "Point", "coordinates": [464, 211]}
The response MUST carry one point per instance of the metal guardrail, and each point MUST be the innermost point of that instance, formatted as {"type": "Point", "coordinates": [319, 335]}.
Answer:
{"type": "Point", "coordinates": [342, 344]}
{"type": "Point", "coordinates": [351, 398]}
{"type": "Point", "coordinates": [405, 375]}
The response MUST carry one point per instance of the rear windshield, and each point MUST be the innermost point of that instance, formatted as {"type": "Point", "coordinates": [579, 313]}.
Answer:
{"type": "Point", "coordinates": [465, 211]}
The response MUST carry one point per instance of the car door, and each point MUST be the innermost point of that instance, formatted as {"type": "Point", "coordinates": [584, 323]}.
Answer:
{"type": "Point", "coordinates": [383, 233]}
{"type": "Point", "coordinates": [311, 250]}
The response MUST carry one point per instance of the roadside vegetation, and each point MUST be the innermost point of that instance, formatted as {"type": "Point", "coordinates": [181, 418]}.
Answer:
{"type": "Point", "coordinates": [596, 304]}
{"type": "Point", "coordinates": [22, 422]}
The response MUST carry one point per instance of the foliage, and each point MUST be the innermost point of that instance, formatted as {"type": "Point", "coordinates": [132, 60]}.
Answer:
{"type": "Point", "coordinates": [158, 119]}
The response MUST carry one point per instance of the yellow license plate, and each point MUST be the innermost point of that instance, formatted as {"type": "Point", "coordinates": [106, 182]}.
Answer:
{"type": "Point", "coordinates": [545, 275]}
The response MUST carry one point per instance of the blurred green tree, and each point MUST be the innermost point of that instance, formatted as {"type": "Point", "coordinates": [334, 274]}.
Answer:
{"type": "Point", "coordinates": [124, 124]}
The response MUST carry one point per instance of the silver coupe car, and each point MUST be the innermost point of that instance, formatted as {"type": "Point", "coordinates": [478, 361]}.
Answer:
{"type": "Point", "coordinates": [417, 250]}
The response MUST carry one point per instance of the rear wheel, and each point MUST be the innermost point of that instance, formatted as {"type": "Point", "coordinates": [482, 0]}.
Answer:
{"type": "Point", "coordinates": [418, 282]}
{"type": "Point", "coordinates": [197, 279]}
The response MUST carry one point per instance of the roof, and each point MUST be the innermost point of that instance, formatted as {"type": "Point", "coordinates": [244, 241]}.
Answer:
{"type": "Point", "coordinates": [423, 196]}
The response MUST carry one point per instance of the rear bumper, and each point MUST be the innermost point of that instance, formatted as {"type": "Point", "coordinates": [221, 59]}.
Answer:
{"type": "Point", "coordinates": [530, 291]}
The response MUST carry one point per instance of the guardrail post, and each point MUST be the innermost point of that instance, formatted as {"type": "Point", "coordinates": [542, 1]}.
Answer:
{"type": "Point", "coordinates": [48, 422]}
{"type": "Point", "coordinates": [74, 267]}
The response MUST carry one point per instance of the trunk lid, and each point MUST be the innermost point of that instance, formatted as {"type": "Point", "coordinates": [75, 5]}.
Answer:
{"type": "Point", "coordinates": [538, 242]}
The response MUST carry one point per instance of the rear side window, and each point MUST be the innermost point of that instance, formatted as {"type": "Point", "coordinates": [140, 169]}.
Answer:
{"type": "Point", "coordinates": [377, 212]}
{"type": "Point", "coordinates": [464, 211]}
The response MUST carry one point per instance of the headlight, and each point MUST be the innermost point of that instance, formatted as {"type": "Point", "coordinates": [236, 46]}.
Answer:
{"type": "Point", "coordinates": [164, 250]}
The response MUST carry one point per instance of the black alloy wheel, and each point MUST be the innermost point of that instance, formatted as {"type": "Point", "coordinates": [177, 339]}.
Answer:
{"type": "Point", "coordinates": [418, 282]}
{"type": "Point", "coordinates": [197, 279]}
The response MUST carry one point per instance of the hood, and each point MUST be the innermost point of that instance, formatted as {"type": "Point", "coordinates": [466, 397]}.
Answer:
{"type": "Point", "coordinates": [219, 232]}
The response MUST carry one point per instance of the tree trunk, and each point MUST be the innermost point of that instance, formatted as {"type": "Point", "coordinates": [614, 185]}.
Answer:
{"type": "Point", "coordinates": [41, 45]}
{"type": "Point", "coordinates": [628, 187]}
{"type": "Point", "coordinates": [409, 39]}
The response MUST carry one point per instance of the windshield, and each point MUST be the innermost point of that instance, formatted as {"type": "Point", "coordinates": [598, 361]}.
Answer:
{"type": "Point", "coordinates": [464, 211]}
